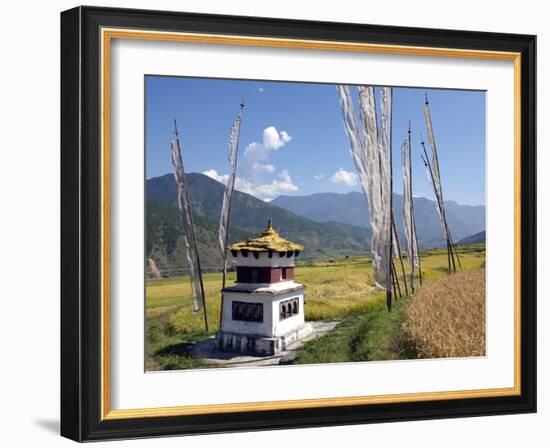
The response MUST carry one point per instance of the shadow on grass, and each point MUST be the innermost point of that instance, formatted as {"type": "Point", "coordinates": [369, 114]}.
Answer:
{"type": "Point", "coordinates": [182, 348]}
{"type": "Point", "coordinates": [177, 357]}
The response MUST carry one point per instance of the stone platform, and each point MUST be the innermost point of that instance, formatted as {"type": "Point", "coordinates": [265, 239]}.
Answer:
{"type": "Point", "coordinates": [261, 346]}
{"type": "Point", "coordinates": [209, 351]}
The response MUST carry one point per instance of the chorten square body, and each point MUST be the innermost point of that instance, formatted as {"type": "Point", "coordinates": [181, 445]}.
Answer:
{"type": "Point", "coordinates": [263, 312]}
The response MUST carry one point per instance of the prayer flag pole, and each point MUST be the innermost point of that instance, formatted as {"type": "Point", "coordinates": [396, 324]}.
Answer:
{"type": "Point", "coordinates": [223, 233]}
{"type": "Point", "coordinates": [190, 238]}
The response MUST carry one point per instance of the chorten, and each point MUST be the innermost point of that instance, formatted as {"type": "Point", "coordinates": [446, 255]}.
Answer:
{"type": "Point", "coordinates": [263, 312]}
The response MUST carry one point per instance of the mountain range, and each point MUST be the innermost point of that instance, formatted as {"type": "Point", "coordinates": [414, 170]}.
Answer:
{"type": "Point", "coordinates": [478, 238]}
{"type": "Point", "coordinates": [249, 216]}
{"type": "Point", "coordinates": [328, 224]}
{"type": "Point", "coordinates": [351, 208]}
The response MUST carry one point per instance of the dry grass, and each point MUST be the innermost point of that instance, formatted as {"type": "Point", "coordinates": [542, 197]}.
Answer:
{"type": "Point", "coordinates": [447, 317]}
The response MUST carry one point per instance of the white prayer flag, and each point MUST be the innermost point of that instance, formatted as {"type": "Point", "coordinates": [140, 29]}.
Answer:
{"type": "Point", "coordinates": [408, 210]}
{"type": "Point", "coordinates": [371, 157]}
{"type": "Point", "coordinates": [184, 204]}
{"type": "Point", "coordinates": [435, 158]}
{"type": "Point", "coordinates": [232, 149]}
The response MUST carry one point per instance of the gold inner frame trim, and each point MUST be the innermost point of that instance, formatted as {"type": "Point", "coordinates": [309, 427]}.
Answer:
{"type": "Point", "coordinates": [107, 35]}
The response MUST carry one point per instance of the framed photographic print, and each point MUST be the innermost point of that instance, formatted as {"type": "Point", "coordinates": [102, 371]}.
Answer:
{"type": "Point", "coordinates": [276, 224]}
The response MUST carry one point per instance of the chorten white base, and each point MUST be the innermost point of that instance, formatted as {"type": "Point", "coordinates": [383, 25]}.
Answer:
{"type": "Point", "coordinates": [260, 345]}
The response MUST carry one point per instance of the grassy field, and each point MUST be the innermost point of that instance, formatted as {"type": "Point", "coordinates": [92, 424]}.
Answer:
{"type": "Point", "coordinates": [340, 290]}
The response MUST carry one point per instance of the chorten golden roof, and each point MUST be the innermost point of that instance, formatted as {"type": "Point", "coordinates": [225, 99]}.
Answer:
{"type": "Point", "coordinates": [269, 240]}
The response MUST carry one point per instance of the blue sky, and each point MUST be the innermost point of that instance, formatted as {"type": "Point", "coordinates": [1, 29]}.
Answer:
{"type": "Point", "coordinates": [293, 141]}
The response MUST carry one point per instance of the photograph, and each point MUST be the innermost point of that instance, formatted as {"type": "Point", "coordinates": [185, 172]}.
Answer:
{"type": "Point", "coordinates": [272, 223]}
{"type": "Point", "coordinates": [293, 223]}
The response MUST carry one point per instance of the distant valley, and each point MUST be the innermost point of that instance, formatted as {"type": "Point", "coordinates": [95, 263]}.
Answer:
{"type": "Point", "coordinates": [329, 225]}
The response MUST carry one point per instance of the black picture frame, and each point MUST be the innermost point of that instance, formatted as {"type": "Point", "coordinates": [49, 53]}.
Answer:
{"type": "Point", "coordinates": [81, 227]}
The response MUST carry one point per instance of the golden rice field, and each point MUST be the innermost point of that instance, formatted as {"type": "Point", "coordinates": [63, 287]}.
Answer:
{"type": "Point", "coordinates": [447, 317]}
{"type": "Point", "coordinates": [334, 290]}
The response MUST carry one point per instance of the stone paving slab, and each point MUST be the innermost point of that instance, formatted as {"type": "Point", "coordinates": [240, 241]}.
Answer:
{"type": "Point", "coordinates": [208, 350]}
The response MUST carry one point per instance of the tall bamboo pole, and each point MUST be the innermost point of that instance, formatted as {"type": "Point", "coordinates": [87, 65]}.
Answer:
{"type": "Point", "coordinates": [414, 239]}
{"type": "Point", "coordinates": [194, 239]}
{"type": "Point", "coordinates": [439, 191]}
{"type": "Point", "coordinates": [388, 294]}
{"type": "Point", "coordinates": [450, 255]}
{"type": "Point", "coordinates": [453, 245]}
{"type": "Point", "coordinates": [417, 251]}
{"type": "Point", "coordinates": [394, 227]}
{"type": "Point", "coordinates": [395, 282]}
{"type": "Point", "coordinates": [224, 272]}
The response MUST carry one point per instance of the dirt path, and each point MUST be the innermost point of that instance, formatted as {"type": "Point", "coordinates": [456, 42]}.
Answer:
{"type": "Point", "coordinates": [209, 352]}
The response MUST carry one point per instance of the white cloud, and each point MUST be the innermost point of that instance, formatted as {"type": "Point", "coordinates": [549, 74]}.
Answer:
{"type": "Point", "coordinates": [260, 89]}
{"type": "Point", "coordinates": [285, 137]}
{"type": "Point", "coordinates": [255, 149]}
{"type": "Point", "coordinates": [342, 176]}
{"type": "Point", "coordinates": [319, 176]}
{"type": "Point", "coordinates": [256, 174]}
{"type": "Point", "coordinates": [270, 191]}
{"type": "Point", "coordinates": [265, 191]}
{"type": "Point", "coordinates": [266, 167]}
{"type": "Point", "coordinates": [244, 186]}
{"type": "Point", "coordinates": [240, 183]}
{"type": "Point", "coordinates": [256, 155]}
{"type": "Point", "coordinates": [272, 139]}
{"type": "Point", "coordinates": [223, 178]}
